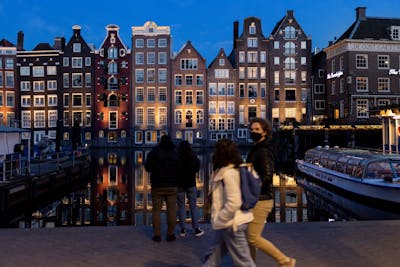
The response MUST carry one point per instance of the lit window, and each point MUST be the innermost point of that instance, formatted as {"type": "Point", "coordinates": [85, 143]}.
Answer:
{"type": "Point", "coordinates": [383, 62]}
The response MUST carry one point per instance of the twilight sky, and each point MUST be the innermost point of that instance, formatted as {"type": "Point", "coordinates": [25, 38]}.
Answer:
{"type": "Point", "coordinates": [208, 24]}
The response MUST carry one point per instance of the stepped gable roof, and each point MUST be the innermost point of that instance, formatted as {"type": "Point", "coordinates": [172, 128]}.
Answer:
{"type": "Point", "coordinates": [6, 43]}
{"type": "Point", "coordinates": [43, 46]}
{"type": "Point", "coordinates": [372, 28]}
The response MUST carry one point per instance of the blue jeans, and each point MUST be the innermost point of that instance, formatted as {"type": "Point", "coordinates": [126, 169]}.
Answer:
{"type": "Point", "coordinates": [191, 194]}
{"type": "Point", "coordinates": [226, 240]}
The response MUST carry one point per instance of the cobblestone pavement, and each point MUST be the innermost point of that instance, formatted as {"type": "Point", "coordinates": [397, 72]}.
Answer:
{"type": "Point", "coordinates": [313, 244]}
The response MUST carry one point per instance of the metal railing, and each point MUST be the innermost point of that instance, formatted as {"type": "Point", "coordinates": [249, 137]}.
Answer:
{"type": "Point", "coordinates": [15, 165]}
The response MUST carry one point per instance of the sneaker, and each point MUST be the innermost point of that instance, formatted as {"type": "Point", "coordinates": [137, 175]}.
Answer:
{"type": "Point", "coordinates": [183, 233]}
{"type": "Point", "coordinates": [290, 263]}
{"type": "Point", "coordinates": [156, 238]}
{"type": "Point", "coordinates": [198, 232]}
{"type": "Point", "coordinates": [171, 238]}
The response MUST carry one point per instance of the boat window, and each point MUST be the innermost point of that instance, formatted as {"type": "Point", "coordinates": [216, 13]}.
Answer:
{"type": "Point", "coordinates": [379, 169]}
{"type": "Point", "coordinates": [331, 163]}
{"type": "Point", "coordinates": [341, 164]}
{"type": "Point", "coordinates": [396, 167]}
{"type": "Point", "coordinates": [324, 161]}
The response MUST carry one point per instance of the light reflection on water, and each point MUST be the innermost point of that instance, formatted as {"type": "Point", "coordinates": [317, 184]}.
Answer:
{"type": "Point", "coordinates": [119, 194]}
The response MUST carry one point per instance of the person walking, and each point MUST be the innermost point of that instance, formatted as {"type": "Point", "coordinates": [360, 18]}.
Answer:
{"type": "Point", "coordinates": [263, 160]}
{"type": "Point", "coordinates": [227, 219]}
{"type": "Point", "coordinates": [187, 187]}
{"type": "Point", "coordinates": [163, 164]}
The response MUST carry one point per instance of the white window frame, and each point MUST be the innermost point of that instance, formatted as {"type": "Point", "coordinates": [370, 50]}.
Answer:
{"type": "Point", "coordinates": [52, 100]}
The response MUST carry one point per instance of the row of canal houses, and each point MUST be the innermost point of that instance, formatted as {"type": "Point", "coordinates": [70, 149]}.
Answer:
{"type": "Point", "coordinates": [113, 95]}
{"type": "Point", "coordinates": [120, 96]}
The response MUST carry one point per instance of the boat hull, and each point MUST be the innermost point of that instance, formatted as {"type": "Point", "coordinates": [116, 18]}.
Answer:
{"type": "Point", "coordinates": [371, 188]}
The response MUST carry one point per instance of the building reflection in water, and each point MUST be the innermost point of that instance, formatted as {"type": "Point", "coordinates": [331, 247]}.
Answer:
{"type": "Point", "coordinates": [120, 193]}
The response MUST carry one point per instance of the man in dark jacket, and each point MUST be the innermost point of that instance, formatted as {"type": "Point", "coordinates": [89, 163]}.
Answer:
{"type": "Point", "coordinates": [163, 164]}
{"type": "Point", "coordinates": [263, 160]}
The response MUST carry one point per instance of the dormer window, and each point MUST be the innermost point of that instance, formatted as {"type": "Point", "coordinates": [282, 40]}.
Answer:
{"type": "Point", "coordinates": [395, 32]}
{"type": "Point", "coordinates": [252, 28]}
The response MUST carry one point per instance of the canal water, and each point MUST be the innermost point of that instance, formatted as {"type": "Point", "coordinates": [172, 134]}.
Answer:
{"type": "Point", "coordinates": [119, 194]}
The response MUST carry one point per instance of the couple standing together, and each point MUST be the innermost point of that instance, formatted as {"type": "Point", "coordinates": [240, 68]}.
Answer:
{"type": "Point", "coordinates": [173, 176]}
{"type": "Point", "coordinates": [239, 232]}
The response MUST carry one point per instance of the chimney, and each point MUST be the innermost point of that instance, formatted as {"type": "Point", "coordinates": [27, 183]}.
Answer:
{"type": "Point", "coordinates": [235, 32]}
{"type": "Point", "coordinates": [59, 43]}
{"type": "Point", "coordinates": [20, 41]}
{"type": "Point", "coordinates": [289, 13]}
{"type": "Point", "coordinates": [361, 13]}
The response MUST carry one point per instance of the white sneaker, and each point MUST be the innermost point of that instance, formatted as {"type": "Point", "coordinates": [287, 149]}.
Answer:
{"type": "Point", "coordinates": [183, 233]}
{"type": "Point", "coordinates": [198, 232]}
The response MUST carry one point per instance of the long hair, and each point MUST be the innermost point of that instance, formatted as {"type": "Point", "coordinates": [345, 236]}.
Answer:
{"type": "Point", "coordinates": [225, 152]}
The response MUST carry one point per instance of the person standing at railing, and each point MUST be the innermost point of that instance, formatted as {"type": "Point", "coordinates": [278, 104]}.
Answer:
{"type": "Point", "coordinates": [163, 164]}
{"type": "Point", "coordinates": [187, 187]}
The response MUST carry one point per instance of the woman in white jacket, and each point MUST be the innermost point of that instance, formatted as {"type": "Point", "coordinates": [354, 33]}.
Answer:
{"type": "Point", "coordinates": [227, 219]}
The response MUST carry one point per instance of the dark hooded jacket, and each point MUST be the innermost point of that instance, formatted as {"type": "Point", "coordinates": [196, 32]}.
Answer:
{"type": "Point", "coordinates": [163, 164]}
{"type": "Point", "coordinates": [187, 175]}
{"type": "Point", "coordinates": [263, 159]}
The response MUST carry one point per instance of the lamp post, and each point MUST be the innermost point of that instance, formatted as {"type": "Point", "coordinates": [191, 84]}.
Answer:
{"type": "Point", "coordinates": [326, 134]}
{"type": "Point", "coordinates": [353, 136]}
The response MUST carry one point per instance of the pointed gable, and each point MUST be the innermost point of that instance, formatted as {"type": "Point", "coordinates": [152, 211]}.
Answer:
{"type": "Point", "coordinates": [221, 55]}
{"type": "Point", "coordinates": [6, 43]}
{"type": "Point", "coordinates": [43, 47]}
{"type": "Point", "coordinates": [189, 50]}
{"type": "Point", "coordinates": [287, 20]}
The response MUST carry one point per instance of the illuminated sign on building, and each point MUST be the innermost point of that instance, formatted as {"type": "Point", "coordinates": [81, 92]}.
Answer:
{"type": "Point", "coordinates": [394, 72]}
{"type": "Point", "coordinates": [334, 75]}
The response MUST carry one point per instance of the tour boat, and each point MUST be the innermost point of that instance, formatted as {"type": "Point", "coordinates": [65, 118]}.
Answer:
{"type": "Point", "coordinates": [365, 173]}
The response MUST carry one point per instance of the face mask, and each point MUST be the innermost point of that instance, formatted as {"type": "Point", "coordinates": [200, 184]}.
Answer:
{"type": "Point", "coordinates": [255, 137]}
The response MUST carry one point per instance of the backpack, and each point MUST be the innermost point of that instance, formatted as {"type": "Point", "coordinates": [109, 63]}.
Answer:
{"type": "Point", "coordinates": [250, 186]}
